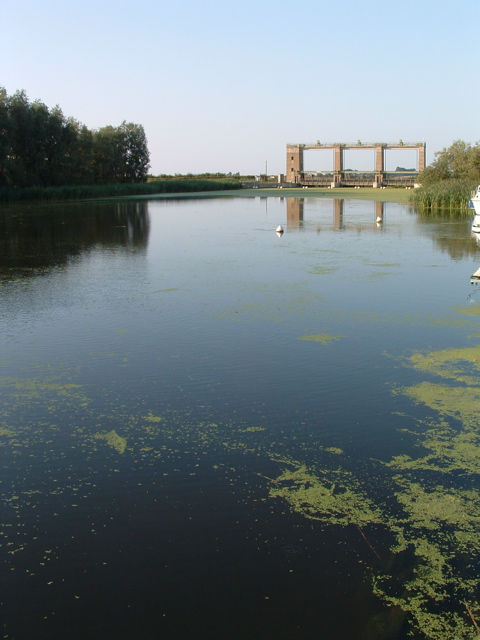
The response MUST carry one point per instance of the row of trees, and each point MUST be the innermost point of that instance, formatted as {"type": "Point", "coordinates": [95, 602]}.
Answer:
{"type": "Point", "coordinates": [461, 161]}
{"type": "Point", "coordinates": [40, 147]}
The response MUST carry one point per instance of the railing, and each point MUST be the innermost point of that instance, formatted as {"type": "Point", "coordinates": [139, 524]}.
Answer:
{"type": "Point", "coordinates": [360, 179]}
{"type": "Point", "coordinates": [356, 145]}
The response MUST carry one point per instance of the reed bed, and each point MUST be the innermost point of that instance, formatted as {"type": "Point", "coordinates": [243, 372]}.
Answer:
{"type": "Point", "coordinates": [450, 196]}
{"type": "Point", "coordinates": [84, 192]}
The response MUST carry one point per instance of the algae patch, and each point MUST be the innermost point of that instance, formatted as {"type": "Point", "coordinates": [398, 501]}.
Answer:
{"type": "Point", "coordinates": [462, 365]}
{"type": "Point", "coordinates": [431, 517]}
{"type": "Point", "coordinates": [332, 496]}
{"type": "Point", "coordinates": [437, 527]}
{"type": "Point", "coordinates": [322, 270]}
{"type": "Point", "coordinates": [323, 338]}
{"type": "Point", "coordinates": [113, 440]}
{"type": "Point", "coordinates": [473, 310]}
{"type": "Point", "coordinates": [153, 418]}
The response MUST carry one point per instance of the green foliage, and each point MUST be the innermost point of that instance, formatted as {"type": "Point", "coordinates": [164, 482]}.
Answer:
{"type": "Point", "coordinates": [448, 195]}
{"type": "Point", "coordinates": [203, 176]}
{"type": "Point", "coordinates": [80, 192]}
{"type": "Point", "coordinates": [461, 161]}
{"type": "Point", "coordinates": [39, 147]}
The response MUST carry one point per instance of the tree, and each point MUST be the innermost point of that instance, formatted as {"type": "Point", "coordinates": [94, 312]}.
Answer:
{"type": "Point", "coordinates": [5, 138]}
{"type": "Point", "coordinates": [136, 158]}
{"type": "Point", "coordinates": [80, 167]}
{"type": "Point", "coordinates": [460, 161]}
{"type": "Point", "coordinates": [21, 164]}
{"type": "Point", "coordinates": [121, 154]}
{"type": "Point", "coordinates": [107, 151]}
{"type": "Point", "coordinates": [40, 147]}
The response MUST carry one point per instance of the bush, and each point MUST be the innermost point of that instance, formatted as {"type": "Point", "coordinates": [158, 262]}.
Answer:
{"type": "Point", "coordinates": [445, 195]}
{"type": "Point", "coordinates": [83, 192]}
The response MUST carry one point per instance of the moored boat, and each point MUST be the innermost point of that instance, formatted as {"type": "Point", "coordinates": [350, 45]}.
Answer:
{"type": "Point", "coordinates": [474, 202]}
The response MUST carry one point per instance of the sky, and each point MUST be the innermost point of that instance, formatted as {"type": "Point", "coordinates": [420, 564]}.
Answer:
{"type": "Point", "coordinates": [224, 86]}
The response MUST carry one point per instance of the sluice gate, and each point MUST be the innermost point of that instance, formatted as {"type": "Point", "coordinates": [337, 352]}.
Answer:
{"type": "Point", "coordinates": [340, 177]}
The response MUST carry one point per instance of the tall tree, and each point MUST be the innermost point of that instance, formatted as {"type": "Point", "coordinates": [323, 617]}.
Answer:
{"type": "Point", "coordinates": [459, 161]}
{"type": "Point", "coordinates": [107, 155]}
{"type": "Point", "coordinates": [5, 138]}
{"type": "Point", "coordinates": [40, 147]}
{"type": "Point", "coordinates": [136, 157]}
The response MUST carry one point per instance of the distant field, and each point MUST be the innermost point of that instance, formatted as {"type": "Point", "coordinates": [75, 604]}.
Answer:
{"type": "Point", "coordinates": [380, 195]}
{"type": "Point", "coordinates": [367, 193]}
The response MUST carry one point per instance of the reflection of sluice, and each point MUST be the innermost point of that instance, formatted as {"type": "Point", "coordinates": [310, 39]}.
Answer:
{"type": "Point", "coordinates": [295, 208]}
{"type": "Point", "coordinates": [338, 213]}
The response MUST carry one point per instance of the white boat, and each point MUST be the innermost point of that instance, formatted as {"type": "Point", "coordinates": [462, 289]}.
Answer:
{"type": "Point", "coordinates": [475, 201]}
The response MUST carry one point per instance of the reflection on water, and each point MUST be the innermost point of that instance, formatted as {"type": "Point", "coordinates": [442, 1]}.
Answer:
{"type": "Point", "coordinates": [209, 431]}
{"type": "Point", "coordinates": [40, 237]}
{"type": "Point", "coordinates": [296, 206]}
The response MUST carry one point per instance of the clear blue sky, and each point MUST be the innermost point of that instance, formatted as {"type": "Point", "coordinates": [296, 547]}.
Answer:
{"type": "Point", "coordinates": [223, 86]}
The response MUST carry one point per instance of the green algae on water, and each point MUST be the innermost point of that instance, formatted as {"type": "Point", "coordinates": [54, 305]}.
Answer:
{"type": "Point", "coordinates": [473, 310]}
{"type": "Point", "coordinates": [153, 418]}
{"type": "Point", "coordinates": [320, 270]}
{"type": "Point", "coordinates": [323, 338]}
{"type": "Point", "coordinates": [440, 518]}
{"type": "Point", "coordinates": [113, 440]}
{"type": "Point", "coordinates": [332, 496]}
{"type": "Point", "coordinates": [462, 365]}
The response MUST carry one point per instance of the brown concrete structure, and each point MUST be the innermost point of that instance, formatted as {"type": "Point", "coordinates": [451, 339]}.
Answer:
{"type": "Point", "coordinates": [294, 163]}
{"type": "Point", "coordinates": [295, 172]}
{"type": "Point", "coordinates": [295, 208]}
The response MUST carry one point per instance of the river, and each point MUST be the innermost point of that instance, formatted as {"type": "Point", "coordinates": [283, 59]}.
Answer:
{"type": "Point", "coordinates": [209, 430]}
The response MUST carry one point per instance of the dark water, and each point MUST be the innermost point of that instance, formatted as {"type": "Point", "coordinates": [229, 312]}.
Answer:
{"type": "Point", "coordinates": [163, 363]}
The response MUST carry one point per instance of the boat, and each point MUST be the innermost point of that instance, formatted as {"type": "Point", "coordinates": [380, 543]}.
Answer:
{"type": "Point", "coordinates": [474, 202]}
{"type": "Point", "coordinates": [475, 277]}
{"type": "Point", "coordinates": [476, 224]}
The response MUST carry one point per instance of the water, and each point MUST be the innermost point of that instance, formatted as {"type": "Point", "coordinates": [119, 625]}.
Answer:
{"type": "Point", "coordinates": [202, 423]}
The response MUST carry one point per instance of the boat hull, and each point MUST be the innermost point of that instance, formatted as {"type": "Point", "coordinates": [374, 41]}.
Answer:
{"type": "Point", "coordinates": [476, 205]}
{"type": "Point", "coordinates": [474, 202]}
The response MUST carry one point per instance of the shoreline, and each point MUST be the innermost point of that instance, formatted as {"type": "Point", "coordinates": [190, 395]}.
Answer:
{"type": "Point", "coordinates": [400, 196]}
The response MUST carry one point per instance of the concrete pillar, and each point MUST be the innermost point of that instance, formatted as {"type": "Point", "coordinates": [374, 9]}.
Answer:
{"type": "Point", "coordinates": [379, 160]}
{"type": "Point", "coordinates": [338, 214]}
{"type": "Point", "coordinates": [294, 212]}
{"type": "Point", "coordinates": [294, 163]}
{"type": "Point", "coordinates": [378, 180]}
{"type": "Point", "coordinates": [422, 155]}
{"type": "Point", "coordinates": [338, 159]}
{"type": "Point", "coordinates": [337, 166]}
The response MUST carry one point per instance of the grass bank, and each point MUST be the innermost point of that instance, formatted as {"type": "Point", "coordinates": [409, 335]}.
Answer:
{"type": "Point", "coordinates": [380, 195]}
{"type": "Point", "coordinates": [365, 193]}
{"type": "Point", "coordinates": [94, 191]}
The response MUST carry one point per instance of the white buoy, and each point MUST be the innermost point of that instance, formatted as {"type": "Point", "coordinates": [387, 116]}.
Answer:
{"type": "Point", "coordinates": [279, 229]}
{"type": "Point", "coordinates": [379, 219]}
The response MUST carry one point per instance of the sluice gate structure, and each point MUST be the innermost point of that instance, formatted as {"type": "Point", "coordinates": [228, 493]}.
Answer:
{"type": "Point", "coordinates": [340, 177]}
